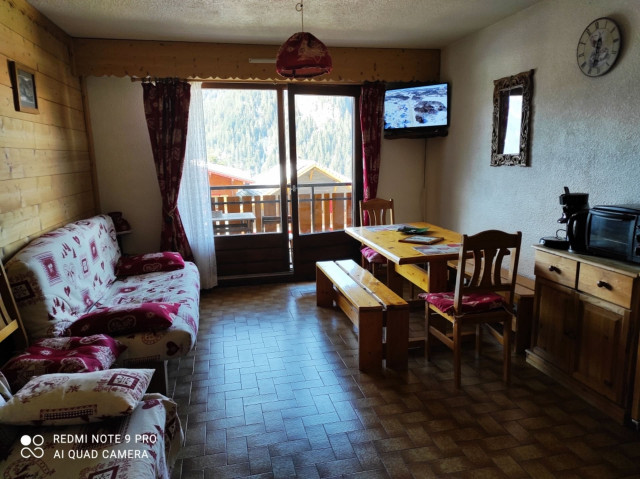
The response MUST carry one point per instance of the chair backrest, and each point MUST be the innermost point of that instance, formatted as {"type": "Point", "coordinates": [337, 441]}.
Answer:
{"type": "Point", "coordinates": [484, 274]}
{"type": "Point", "coordinates": [10, 320]}
{"type": "Point", "coordinates": [379, 211]}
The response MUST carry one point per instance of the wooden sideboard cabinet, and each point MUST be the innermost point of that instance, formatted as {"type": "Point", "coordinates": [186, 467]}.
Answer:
{"type": "Point", "coordinates": [585, 328]}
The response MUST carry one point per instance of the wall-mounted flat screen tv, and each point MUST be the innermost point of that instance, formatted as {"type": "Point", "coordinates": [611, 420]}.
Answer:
{"type": "Point", "coordinates": [412, 111]}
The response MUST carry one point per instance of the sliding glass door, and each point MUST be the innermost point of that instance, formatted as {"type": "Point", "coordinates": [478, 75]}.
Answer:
{"type": "Point", "coordinates": [325, 153]}
{"type": "Point", "coordinates": [268, 221]}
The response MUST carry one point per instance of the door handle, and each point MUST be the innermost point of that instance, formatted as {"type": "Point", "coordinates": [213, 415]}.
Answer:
{"type": "Point", "coordinates": [554, 269]}
{"type": "Point", "coordinates": [604, 284]}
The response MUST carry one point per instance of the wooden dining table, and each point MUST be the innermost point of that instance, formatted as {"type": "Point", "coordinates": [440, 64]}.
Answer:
{"type": "Point", "coordinates": [424, 266]}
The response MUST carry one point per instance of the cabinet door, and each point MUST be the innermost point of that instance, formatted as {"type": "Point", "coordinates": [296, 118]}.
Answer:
{"type": "Point", "coordinates": [600, 360]}
{"type": "Point", "coordinates": [555, 333]}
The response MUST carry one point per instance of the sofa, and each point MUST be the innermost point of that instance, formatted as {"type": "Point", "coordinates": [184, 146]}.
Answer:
{"type": "Point", "coordinates": [76, 276]}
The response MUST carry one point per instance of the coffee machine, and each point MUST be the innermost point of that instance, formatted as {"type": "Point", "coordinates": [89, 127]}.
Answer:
{"type": "Point", "coordinates": [572, 204]}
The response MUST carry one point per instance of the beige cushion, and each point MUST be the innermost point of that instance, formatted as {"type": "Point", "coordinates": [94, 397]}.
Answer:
{"type": "Point", "coordinates": [53, 399]}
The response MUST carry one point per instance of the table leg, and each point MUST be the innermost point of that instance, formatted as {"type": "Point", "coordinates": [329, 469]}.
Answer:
{"type": "Point", "coordinates": [394, 279]}
{"type": "Point", "coordinates": [437, 276]}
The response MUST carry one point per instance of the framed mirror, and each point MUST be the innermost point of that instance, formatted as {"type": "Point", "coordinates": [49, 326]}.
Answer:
{"type": "Point", "coordinates": [511, 120]}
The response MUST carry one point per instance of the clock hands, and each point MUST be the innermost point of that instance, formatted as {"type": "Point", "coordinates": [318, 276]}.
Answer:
{"type": "Point", "coordinates": [595, 55]}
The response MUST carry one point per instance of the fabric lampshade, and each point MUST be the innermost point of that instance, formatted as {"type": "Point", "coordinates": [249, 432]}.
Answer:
{"type": "Point", "coordinates": [303, 56]}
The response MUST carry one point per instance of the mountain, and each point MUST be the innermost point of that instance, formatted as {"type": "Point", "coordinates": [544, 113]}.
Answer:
{"type": "Point", "coordinates": [241, 127]}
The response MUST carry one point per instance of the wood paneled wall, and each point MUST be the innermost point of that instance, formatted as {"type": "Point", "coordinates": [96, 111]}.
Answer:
{"type": "Point", "coordinates": [45, 168]}
{"type": "Point", "coordinates": [225, 61]}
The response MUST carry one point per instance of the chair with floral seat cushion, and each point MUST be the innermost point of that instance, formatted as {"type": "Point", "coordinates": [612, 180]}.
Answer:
{"type": "Point", "coordinates": [378, 212]}
{"type": "Point", "coordinates": [481, 295]}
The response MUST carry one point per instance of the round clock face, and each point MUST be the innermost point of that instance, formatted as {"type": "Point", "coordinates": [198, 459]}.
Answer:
{"type": "Point", "coordinates": [598, 47]}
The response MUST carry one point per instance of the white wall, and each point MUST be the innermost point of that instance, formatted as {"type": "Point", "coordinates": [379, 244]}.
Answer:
{"type": "Point", "coordinates": [585, 131]}
{"type": "Point", "coordinates": [126, 173]}
{"type": "Point", "coordinates": [402, 170]}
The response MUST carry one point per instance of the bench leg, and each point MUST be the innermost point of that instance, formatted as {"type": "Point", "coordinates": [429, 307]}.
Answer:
{"type": "Point", "coordinates": [398, 338]}
{"type": "Point", "coordinates": [324, 290]}
{"type": "Point", "coordinates": [370, 341]}
{"type": "Point", "coordinates": [394, 279]}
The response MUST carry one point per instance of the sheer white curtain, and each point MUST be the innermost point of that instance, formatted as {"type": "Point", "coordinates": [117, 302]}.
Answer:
{"type": "Point", "coordinates": [194, 201]}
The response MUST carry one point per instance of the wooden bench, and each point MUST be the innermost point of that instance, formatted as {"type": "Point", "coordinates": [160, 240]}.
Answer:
{"type": "Point", "coordinates": [371, 306]}
{"type": "Point", "coordinates": [523, 304]}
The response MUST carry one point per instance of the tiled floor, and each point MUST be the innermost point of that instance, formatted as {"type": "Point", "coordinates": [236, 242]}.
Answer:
{"type": "Point", "coordinates": [272, 390]}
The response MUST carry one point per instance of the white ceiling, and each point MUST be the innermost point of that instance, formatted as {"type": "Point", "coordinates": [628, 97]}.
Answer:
{"type": "Point", "coordinates": [339, 23]}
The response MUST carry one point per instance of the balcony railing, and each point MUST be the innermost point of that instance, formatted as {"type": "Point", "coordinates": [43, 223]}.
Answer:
{"type": "Point", "coordinates": [321, 207]}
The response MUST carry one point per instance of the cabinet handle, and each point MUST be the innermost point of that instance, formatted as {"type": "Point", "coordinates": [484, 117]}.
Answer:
{"type": "Point", "coordinates": [554, 269]}
{"type": "Point", "coordinates": [604, 284]}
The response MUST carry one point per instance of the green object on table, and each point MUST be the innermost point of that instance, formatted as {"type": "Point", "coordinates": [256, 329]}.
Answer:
{"type": "Point", "coordinates": [412, 230]}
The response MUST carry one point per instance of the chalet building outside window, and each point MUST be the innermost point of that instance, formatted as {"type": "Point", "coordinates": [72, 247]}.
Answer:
{"type": "Point", "coordinates": [248, 137]}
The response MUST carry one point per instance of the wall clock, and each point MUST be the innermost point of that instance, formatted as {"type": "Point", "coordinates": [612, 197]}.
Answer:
{"type": "Point", "coordinates": [598, 47]}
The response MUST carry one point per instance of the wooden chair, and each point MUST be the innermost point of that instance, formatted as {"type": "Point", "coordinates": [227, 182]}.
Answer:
{"type": "Point", "coordinates": [10, 321]}
{"type": "Point", "coordinates": [380, 212]}
{"type": "Point", "coordinates": [481, 295]}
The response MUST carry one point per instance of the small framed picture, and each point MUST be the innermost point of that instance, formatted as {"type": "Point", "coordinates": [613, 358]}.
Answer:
{"type": "Point", "coordinates": [23, 81]}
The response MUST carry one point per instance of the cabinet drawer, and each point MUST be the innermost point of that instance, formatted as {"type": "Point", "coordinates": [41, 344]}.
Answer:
{"type": "Point", "coordinates": [608, 285]}
{"type": "Point", "coordinates": [556, 268]}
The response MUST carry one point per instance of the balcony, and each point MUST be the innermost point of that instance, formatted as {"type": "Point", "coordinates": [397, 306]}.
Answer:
{"type": "Point", "coordinates": [255, 209]}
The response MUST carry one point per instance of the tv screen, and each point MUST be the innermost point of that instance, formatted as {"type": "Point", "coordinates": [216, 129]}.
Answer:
{"type": "Point", "coordinates": [416, 110]}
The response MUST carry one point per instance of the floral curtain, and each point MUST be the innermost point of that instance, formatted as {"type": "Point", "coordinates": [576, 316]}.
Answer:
{"type": "Point", "coordinates": [371, 108]}
{"type": "Point", "coordinates": [166, 107]}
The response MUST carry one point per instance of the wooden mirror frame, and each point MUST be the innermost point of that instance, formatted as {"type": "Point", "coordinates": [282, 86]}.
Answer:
{"type": "Point", "coordinates": [522, 80]}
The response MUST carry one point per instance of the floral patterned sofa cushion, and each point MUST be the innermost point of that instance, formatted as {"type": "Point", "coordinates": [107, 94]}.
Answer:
{"type": "Point", "coordinates": [62, 355]}
{"type": "Point", "coordinates": [61, 274]}
{"type": "Point", "coordinates": [149, 263]}
{"type": "Point", "coordinates": [182, 287]}
{"type": "Point", "coordinates": [58, 399]}
{"type": "Point", "coordinates": [125, 319]}
{"type": "Point", "coordinates": [69, 272]}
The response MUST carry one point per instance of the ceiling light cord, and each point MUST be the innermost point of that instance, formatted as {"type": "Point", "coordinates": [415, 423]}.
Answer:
{"type": "Point", "coordinates": [300, 8]}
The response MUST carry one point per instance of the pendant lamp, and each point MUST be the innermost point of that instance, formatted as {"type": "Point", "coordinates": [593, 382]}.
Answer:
{"type": "Point", "coordinates": [303, 55]}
